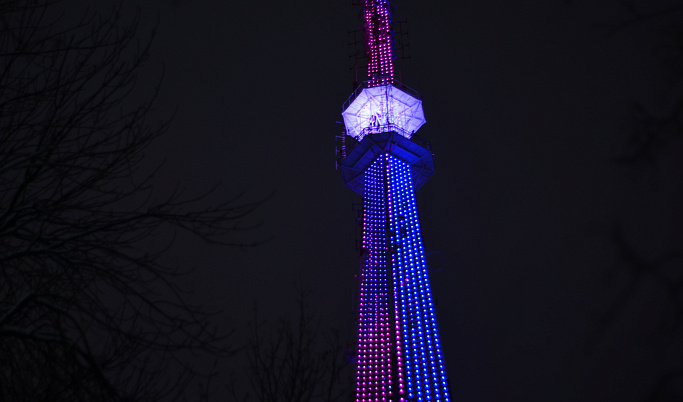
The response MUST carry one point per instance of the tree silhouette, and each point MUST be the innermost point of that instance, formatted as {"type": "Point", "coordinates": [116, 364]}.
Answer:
{"type": "Point", "coordinates": [655, 126]}
{"type": "Point", "coordinates": [86, 312]}
{"type": "Point", "coordinates": [655, 130]}
{"type": "Point", "coordinates": [293, 361]}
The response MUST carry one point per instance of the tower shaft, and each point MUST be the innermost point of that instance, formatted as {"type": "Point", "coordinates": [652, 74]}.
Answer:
{"type": "Point", "coordinates": [399, 355]}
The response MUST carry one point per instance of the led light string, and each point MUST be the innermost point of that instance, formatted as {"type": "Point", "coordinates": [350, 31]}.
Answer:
{"type": "Point", "coordinates": [374, 357]}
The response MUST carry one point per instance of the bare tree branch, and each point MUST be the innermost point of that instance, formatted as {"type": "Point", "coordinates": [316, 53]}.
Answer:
{"type": "Point", "coordinates": [86, 312]}
{"type": "Point", "coordinates": [293, 362]}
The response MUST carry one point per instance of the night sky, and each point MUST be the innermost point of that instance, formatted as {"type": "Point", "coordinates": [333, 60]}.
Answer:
{"type": "Point", "coordinates": [527, 103]}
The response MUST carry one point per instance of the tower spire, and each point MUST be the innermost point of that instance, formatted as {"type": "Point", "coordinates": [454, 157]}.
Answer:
{"type": "Point", "coordinates": [381, 104]}
{"type": "Point", "coordinates": [378, 42]}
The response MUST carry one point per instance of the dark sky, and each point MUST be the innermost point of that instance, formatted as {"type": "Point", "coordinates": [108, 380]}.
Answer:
{"type": "Point", "coordinates": [526, 103]}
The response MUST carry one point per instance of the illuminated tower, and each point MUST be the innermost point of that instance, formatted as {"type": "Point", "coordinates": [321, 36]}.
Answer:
{"type": "Point", "coordinates": [399, 354]}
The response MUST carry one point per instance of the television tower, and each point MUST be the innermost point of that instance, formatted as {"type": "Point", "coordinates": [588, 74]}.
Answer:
{"type": "Point", "coordinates": [399, 354]}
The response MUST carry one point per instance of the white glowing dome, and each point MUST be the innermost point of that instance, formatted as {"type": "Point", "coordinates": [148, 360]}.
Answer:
{"type": "Point", "coordinates": [382, 109]}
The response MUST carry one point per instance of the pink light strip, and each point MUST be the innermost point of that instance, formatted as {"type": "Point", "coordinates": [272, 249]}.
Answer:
{"type": "Point", "coordinates": [378, 44]}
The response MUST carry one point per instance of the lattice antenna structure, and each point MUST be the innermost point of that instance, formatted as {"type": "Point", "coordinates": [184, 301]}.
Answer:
{"type": "Point", "coordinates": [359, 53]}
{"type": "Point", "coordinates": [401, 40]}
{"type": "Point", "coordinates": [399, 355]}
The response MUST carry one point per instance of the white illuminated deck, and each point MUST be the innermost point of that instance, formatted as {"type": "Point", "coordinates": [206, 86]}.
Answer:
{"type": "Point", "coordinates": [381, 109]}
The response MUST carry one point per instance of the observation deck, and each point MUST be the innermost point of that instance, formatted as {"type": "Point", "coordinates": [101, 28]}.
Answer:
{"type": "Point", "coordinates": [376, 109]}
{"type": "Point", "coordinates": [383, 119]}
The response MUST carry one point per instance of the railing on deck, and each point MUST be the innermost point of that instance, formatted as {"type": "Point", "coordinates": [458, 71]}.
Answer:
{"type": "Point", "coordinates": [410, 91]}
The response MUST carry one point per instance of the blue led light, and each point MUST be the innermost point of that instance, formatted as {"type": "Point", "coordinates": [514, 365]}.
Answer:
{"type": "Point", "coordinates": [398, 340]}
